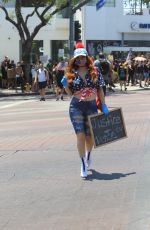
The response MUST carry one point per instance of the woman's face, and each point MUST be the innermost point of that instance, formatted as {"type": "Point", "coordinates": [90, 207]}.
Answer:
{"type": "Point", "coordinates": [81, 61]}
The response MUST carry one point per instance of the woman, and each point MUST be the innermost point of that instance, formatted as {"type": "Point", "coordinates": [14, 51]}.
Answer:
{"type": "Point", "coordinates": [60, 70]}
{"type": "Point", "coordinates": [83, 82]}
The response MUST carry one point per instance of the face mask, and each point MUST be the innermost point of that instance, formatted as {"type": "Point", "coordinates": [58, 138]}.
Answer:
{"type": "Point", "coordinates": [80, 62]}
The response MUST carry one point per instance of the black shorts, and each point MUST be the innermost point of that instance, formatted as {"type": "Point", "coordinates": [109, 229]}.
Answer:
{"type": "Point", "coordinates": [59, 77]}
{"type": "Point", "coordinates": [42, 85]}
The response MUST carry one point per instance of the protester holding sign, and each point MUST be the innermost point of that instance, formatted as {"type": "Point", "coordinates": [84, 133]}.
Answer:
{"type": "Point", "coordinates": [83, 83]}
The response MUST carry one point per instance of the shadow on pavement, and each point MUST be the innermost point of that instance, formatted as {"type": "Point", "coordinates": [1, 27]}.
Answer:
{"type": "Point", "coordinates": [101, 176]}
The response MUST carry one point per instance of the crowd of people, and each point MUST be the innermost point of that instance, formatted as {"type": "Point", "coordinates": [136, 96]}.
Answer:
{"type": "Point", "coordinates": [40, 76]}
{"type": "Point", "coordinates": [118, 71]}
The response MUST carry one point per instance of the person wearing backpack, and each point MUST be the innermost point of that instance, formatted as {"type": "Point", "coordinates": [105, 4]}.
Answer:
{"type": "Point", "coordinates": [105, 69]}
{"type": "Point", "coordinates": [122, 73]}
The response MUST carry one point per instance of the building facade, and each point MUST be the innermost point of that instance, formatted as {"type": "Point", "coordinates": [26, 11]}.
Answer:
{"type": "Point", "coordinates": [115, 29]}
{"type": "Point", "coordinates": [50, 42]}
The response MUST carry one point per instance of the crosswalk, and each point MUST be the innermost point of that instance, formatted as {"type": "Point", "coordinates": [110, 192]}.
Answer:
{"type": "Point", "coordinates": [32, 103]}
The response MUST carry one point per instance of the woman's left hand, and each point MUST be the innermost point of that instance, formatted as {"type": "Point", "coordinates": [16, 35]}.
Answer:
{"type": "Point", "coordinates": [105, 109]}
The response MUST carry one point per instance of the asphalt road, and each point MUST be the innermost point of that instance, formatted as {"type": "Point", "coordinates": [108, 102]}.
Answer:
{"type": "Point", "coordinates": [40, 182]}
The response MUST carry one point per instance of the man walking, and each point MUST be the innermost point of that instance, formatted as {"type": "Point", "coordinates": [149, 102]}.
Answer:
{"type": "Point", "coordinates": [42, 79]}
{"type": "Point", "coordinates": [105, 69]}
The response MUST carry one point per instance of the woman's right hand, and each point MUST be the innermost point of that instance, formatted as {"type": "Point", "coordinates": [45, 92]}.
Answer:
{"type": "Point", "coordinates": [64, 81]}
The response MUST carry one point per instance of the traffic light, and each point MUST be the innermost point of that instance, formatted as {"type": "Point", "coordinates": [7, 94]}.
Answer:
{"type": "Point", "coordinates": [77, 31]}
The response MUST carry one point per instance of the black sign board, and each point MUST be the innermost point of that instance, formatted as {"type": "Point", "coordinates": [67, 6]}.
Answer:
{"type": "Point", "coordinates": [107, 128]}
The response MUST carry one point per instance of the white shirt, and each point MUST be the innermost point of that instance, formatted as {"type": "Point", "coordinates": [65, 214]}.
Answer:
{"type": "Point", "coordinates": [41, 75]}
{"type": "Point", "coordinates": [33, 72]}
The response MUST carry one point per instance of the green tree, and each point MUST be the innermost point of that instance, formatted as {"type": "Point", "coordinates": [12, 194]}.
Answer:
{"type": "Point", "coordinates": [49, 9]}
{"type": "Point", "coordinates": [147, 2]}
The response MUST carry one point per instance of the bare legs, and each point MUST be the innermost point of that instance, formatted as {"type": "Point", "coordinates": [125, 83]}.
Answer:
{"type": "Point", "coordinates": [84, 144]}
{"type": "Point", "coordinates": [42, 93]}
{"type": "Point", "coordinates": [59, 92]}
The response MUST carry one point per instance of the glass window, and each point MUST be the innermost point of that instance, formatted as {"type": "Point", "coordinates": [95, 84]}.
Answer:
{"type": "Point", "coordinates": [37, 51]}
{"type": "Point", "coordinates": [59, 49]}
{"type": "Point", "coordinates": [133, 7]}
{"type": "Point", "coordinates": [95, 47]}
{"type": "Point", "coordinates": [131, 43]}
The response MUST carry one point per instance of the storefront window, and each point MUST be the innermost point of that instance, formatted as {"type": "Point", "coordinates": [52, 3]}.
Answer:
{"type": "Point", "coordinates": [137, 43]}
{"type": "Point", "coordinates": [133, 7]}
{"type": "Point", "coordinates": [37, 51]}
{"type": "Point", "coordinates": [95, 47]}
{"type": "Point", "coordinates": [59, 50]}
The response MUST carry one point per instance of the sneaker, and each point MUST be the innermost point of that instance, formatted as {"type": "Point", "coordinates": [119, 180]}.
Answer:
{"type": "Point", "coordinates": [57, 99]}
{"type": "Point", "coordinates": [88, 159]}
{"type": "Point", "coordinates": [62, 98]}
{"type": "Point", "coordinates": [141, 86]}
{"type": "Point", "coordinates": [83, 168]}
{"type": "Point", "coordinates": [111, 90]}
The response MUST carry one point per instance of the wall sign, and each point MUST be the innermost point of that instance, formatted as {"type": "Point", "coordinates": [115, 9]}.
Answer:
{"type": "Point", "coordinates": [139, 26]}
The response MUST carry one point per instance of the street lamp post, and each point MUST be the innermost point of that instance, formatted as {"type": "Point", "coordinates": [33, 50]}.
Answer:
{"type": "Point", "coordinates": [71, 30]}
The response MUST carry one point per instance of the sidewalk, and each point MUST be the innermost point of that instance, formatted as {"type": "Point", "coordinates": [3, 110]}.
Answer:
{"type": "Point", "coordinates": [13, 92]}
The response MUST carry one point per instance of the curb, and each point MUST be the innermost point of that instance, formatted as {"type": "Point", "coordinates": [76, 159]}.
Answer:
{"type": "Point", "coordinates": [22, 94]}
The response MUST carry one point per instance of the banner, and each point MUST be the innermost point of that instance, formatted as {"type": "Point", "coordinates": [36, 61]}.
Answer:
{"type": "Point", "coordinates": [100, 4]}
{"type": "Point", "coordinates": [129, 56]}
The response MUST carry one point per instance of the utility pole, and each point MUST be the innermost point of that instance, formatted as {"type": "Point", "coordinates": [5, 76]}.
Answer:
{"type": "Point", "coordinates": [71, 29]}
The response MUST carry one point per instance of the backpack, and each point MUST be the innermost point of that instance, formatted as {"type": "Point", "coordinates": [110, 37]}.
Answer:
{"type": "Point", "coordinates": [122, 72]}
{"type": "Point", "coordinates": [104, 67]}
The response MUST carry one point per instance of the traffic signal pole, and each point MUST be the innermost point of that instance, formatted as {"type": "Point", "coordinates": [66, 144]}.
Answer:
{"type": "Point", "coordinates": [71, 30]}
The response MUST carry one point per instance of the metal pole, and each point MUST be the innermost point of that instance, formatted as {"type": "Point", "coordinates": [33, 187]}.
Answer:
{"type": "Point", "coordinates": [71, 30]}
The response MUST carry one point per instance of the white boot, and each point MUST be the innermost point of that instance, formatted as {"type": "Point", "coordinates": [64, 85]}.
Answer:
{"type": "Point", "coordinates": [88, 159]}
{"type": "Point", "coordinates": [83, 168]}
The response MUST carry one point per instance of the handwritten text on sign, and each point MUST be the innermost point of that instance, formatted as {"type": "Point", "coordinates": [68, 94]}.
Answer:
{"type": "Point", "coordinates": [105, 129]}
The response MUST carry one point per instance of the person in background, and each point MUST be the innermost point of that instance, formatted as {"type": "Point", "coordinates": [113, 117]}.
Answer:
{"type": "Point", "coordinates": [60, 70]}
{"type": "Point", "coordinates": [146, 74]}
{"type": "Point", "coordinates": [131, 72]}
{"type": "Point", "coordinates": [19, 77]}
{"type": "Point", "coordinates": [41, 79]}
{"type": "Point", "coordinates": [54, 71]}
{"type": "Point", "coordinates": [123, 75]}
{"type": "Point", "coordinates": [105, 68]}
{"type": "Point", "coordinates": [140, 72]}
{"type": "Point", "coordinates": [33, 75]}
{"type": "Point", "coordinates": [4, 67]}
{"type": "Point", "coordinates": [49, 68]}
{"type": "Point", "coordinates": [83, 83]}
